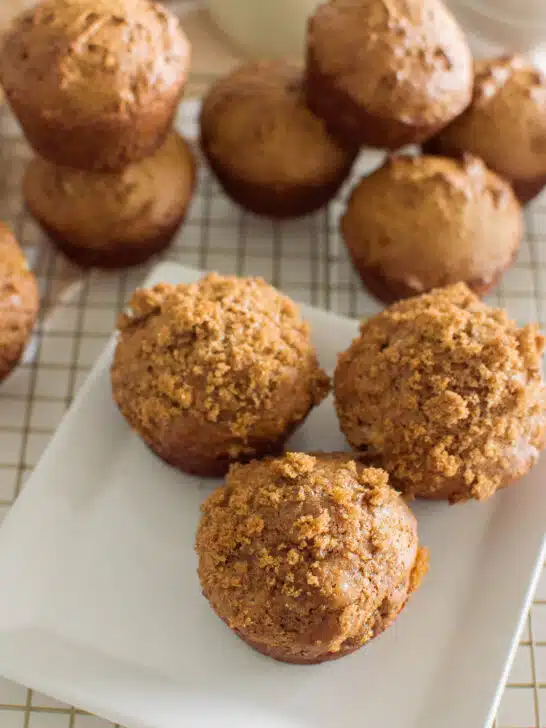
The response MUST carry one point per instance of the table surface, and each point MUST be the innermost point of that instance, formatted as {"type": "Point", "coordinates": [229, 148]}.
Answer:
{"type": "Point", "coordinates": [303, 258]}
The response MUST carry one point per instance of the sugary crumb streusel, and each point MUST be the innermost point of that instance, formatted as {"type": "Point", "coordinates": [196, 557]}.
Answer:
{"type": "Point", "coordinates": [447, 393]}
{"type": "Point", "coordinates": [304, 554]}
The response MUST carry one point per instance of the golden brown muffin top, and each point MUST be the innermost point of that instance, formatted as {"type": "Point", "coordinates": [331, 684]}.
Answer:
{"type": "Point", "coordinates": [18, 290]}
{"type": "Point", "coordinates": [506, 122]}
{"type": "Point", "coordinates": [19, 299]}
{"type": "Point", "coordinates": [430, 221]}
{"type": "Point", "coordinates": [442, 387]}
{"type": "Point", "coordinates": [95, 208]}
{"type": "Point", "coordinates": [89, 57]}
{"type": "Point", "coordinates": [402, 59]}
{"type": "Point", "coordinates": [303, 550]}
{"type": "Point", "coordinates": [256, 123]}
{"type": "Point", "coordinates": [220, 347]}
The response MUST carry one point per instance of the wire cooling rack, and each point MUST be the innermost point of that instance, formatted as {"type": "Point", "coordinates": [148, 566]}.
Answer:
{"type": "Point", "coordinates": [303, 258]}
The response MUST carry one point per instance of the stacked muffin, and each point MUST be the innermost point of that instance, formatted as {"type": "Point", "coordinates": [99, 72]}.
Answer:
{"type": "Point", "coordinates": [95, 85]}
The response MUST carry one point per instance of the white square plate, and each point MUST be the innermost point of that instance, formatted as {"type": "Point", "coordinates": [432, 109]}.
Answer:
{"type": "Point", "coordinates": [101, 605]}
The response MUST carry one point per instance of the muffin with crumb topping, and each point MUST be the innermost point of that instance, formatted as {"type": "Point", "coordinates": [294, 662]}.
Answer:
{"type": "Point", "coordinates": [308, 557]}
{"type": "Point", "coordinates": [445, 393]}
{"type": "Point", "coordinates": [215, 372]}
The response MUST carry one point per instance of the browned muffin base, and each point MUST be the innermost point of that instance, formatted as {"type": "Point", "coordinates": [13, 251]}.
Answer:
{"type": "Point", "coordinates": [281, 656]}
{"type": "Point", "coordinates": [354, 124]}
{"type": "Point", "coordinates": [210, 466]}
{"type": "Point", "coordinates": [118, 254]}
{"type": "Point", "coordinates": [527, 189]}
{"type": "Point", "coordinates": [277, 203]}
{"type": "Point", "coordinates": [108, 143]}
{"type": "Point", "coordinates": [389, 291]}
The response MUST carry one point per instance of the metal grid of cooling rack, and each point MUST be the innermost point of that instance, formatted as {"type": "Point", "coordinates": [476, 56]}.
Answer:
{"type": "Point", "coordinates": [303, 258]}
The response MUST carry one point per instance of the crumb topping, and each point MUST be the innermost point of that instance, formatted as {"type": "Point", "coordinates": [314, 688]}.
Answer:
{"type": "Point", "coordinates": [446, 392]}
{"type": "Point", "coordinates": [302, 551]}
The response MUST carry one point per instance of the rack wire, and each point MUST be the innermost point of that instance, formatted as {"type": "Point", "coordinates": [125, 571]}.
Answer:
{"type": "Point", "coordinates": [303, 258]}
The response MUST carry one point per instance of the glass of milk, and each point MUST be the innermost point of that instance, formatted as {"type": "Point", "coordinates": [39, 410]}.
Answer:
{"type": "Point", "coordinates": [265, 28]}
{"type": "Point", "coordinates": [277, 28]}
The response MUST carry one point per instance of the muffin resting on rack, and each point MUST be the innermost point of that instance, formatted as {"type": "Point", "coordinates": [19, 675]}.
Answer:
{"type": "Point", "coordinates": [94, 83]}
{"type": "Point", "coordinates": [307, 558]}
{"type": "Point", "coordinates": [418, 223]}
{"type": "Point", "coordinates": [215, 372]}
{"type": "Point", "coordinates": [19, 301]}
{"type": "Point", "coordinates": [271, 154]}
{"type": "Point", "coordinates": [113, 219]}
{"type": "Point", "coordinates": [386, 74]}
{"type": "Point", "coordinates": [505, 124]}
{"type": "Point", "coordinates": [446, 394]}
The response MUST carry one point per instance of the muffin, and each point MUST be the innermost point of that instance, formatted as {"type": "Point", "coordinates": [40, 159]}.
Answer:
{"type": "Point", "coordinates": [387, 74]}
{"type": "Point", "coordinates": [19, 301]}
{"type": "Point", "coordinates": [270, 153]}
{"type": "Point", "coordinates": [505, 124]}
{"type": "Point", "coordinates": [113, 219]}
{"type": "Point", "coordinates": [446, 394]}
{"type": "Point", "coordinates": [215, 372]}
{"type": "Point", "coordinates": [95, 85]}
{"type": "Point", "coordinates": [307, 558]}
{"type": "Point", "coordinates": [418, 223]}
